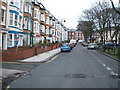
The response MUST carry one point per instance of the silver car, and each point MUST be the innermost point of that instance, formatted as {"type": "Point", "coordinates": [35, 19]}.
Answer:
{"type": "Point", "coordinates": [92, 46]}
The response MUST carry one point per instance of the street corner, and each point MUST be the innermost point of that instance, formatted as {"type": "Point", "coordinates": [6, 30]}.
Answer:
{"type": "Point", "coordinates": [9, 75]}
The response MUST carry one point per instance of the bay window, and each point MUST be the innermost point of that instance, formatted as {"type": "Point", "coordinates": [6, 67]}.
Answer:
{"type": "Point", "coordinates": [28, 8]}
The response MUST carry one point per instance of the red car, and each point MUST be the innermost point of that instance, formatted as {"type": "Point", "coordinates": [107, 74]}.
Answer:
{"type": "Point", "coordinates": [71, 45]}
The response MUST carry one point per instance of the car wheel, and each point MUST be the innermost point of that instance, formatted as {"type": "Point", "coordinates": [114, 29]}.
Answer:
{"type": "Point", "coordinates": [69, 51]}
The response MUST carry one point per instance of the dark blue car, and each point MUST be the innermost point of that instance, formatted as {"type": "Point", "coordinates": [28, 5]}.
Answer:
{"type": "Point", "coordinates": [111, 44]}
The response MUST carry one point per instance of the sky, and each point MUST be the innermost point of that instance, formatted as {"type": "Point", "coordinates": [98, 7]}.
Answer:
{"type": "Point", "coordinates": [69, 10]}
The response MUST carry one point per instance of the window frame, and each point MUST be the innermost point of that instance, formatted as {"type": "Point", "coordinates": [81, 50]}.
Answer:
{"type": "Point", "coordinates": [25, 23]}
{"type": "Point", "coordinates": [3, 16]}
{"type": "Point", "coordinates": [20, 21]}
{"type": "Point", "coordinates": [11, 18]}
{"type": "Point", "coordinates": [16, 20]}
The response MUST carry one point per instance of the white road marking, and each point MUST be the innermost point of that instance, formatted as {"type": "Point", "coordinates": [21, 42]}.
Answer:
{"type": "Point", "coordinates": [116, 74]}
{"type": "Point", "coordinates": [108, 69]}
{"type": "Point", "coordinates": [112, 73]}
{"type": "Point", "coordinates": [104, 65]}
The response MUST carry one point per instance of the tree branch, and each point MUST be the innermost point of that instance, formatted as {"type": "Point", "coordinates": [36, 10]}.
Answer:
{"type": "Point", "coordinates": [114, 7]}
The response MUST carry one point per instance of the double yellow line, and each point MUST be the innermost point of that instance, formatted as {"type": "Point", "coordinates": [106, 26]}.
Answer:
{"type": "Point", "coordinates": [52, 59]}
{"type": "Point", "coordinates": [19, 62]}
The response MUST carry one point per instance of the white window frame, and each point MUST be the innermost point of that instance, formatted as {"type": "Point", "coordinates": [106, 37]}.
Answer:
{"type": "Point", "coordinates": [47, 30]}
{"type": "Point", "coordinates": [73, 33]}
{"type": "Point", "coordinates": [42, 17]}
{"type": "Point", "coordinates": [16, 20]}
{"type": "Point", "coordinates": [20, 21]}
{"type": "Point", "coordinates": [21, 4]}
{"type": "Point", "coordinates": [35, 26]}
{"type": "Point", "coordinates": [11, 18]}
{"type": "Point", "coordinates": [38, 14]}
{"type": "Point", "coordinates": [29, 24]}
{"type": "Point", "coordinates": [42, 28]}
{"type": "Point", "coordinates": [3, 16]}
{"type": "Point", "coordinates": [29, 6]}
{"type": "Point", "coordinates": [26, 7]}
{"type": "Point", "coordinates": [47, 20]}
{"type": "Point", "coordinates": [25, 23]}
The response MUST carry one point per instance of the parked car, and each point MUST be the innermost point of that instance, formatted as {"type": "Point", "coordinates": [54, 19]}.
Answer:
{"type": "Point", "coordinates": [80, 41]}
{"type": "Point", "coordinates": [71, 45]}
{"type": "Point", "coordinates": [65, 47]}
{"type": "Point", "coordinates": [111, 44]}
{"type": "Point", "coordinates": [84, 43]}
{"type": "Point", "coordinates": [92, 46]}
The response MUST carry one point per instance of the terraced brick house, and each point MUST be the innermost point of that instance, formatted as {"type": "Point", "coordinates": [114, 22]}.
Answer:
{"type": "Point", "coordinates": [53, 30]}
{"type": "Point", "coordinates": [14, 23]}
{"type": "Point", "coordinates": [42, 22]}
{"type": "Point", "coordinates": [36, 23]}
{"type": "Point", "coordinates": [28, 22]}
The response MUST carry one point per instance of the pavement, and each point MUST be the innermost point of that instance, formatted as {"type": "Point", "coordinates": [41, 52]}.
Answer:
{"type": "Point", "coordinates": [42, 57]}
{"type": "Point", "coordinates": [38, 58]}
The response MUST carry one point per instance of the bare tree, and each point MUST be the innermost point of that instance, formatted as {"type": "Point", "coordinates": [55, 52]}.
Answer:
{"type": "Point", "coordinates": [117, 11]}
{"type": "Point", "coordinates": [86, 28]}
{"type": "Point", "coordinates": [101, 18]}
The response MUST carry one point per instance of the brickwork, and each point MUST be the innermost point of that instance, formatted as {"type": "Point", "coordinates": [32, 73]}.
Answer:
{"type": "Point", "coordinates": [20, 54]}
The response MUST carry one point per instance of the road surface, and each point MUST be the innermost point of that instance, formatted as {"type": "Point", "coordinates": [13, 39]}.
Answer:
{"type": "Point", "coordinates": [80, 68]}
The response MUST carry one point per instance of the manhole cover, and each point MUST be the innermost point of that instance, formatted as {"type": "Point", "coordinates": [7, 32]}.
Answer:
{"type": "Point", "coordinates": [75, 76]}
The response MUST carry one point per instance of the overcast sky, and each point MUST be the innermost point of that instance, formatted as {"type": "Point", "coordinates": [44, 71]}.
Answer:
{"type": "Point", "coordinates": [70, 10]}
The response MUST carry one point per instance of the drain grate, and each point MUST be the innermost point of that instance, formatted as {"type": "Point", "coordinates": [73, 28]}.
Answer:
{"type": "Point", "coordinates": [75, 76]}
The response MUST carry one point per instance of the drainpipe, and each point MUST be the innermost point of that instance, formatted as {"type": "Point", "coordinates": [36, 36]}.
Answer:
{"type": "Point", "coordinates": [31, 34]}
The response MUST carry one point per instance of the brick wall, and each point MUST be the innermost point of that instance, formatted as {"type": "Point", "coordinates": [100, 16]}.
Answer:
{"type": "Point", "coordinates": [13, 55]}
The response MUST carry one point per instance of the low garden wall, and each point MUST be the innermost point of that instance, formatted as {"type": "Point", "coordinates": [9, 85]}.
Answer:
{"type": "Point", "coordinates": [21, 53]}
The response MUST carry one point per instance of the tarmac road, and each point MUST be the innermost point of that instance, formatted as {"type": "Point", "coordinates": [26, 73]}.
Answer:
{"type": "Point", "coordinates": [80, 68]}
